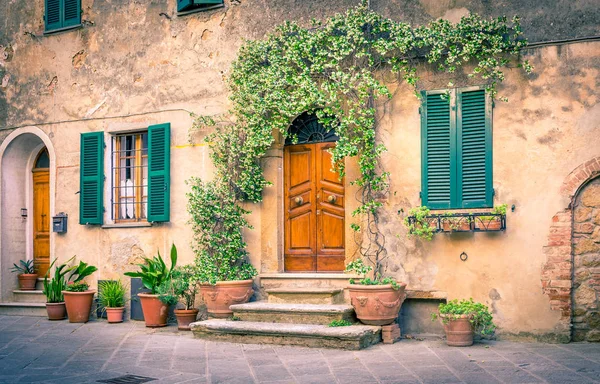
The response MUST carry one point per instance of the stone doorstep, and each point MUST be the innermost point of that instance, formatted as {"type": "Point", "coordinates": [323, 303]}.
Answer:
{"type": "Point", "coordinates": [261, 311]}
{"type": "Point", "coordinates": [23, 309]}
{"type": "Point", "coordinates": [310, 335]}
{"type": "Point", "coordinates": [36, 296]}
{"type": "Point", "coordinates": [306, 295]}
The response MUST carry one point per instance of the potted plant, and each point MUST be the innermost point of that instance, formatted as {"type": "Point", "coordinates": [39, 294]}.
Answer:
{"type": "Point", "coordinates": [53, 289]}
{"type": "Point", "coordinates": [111, 296]}
{"type": "Point", "coordinates": [419, 224]}
{"type": "Point", "coordinates": [26, 274]}
{"type": "Point", "coordinates": [182, 287]}
{"type": "Point", "coordinates": [376, 300]}
{"type": "Point", "coordinates": [153, 272]}
{"type": "Point", "coordinates": [492, 223]}
{"type": "Point", "coordinates": [456, 223]}
{"type": "Point", "coordinates": [462, 319]}
{"type": "Point", "coordinates": [221, 259]}
{"type": "Point", "coordinates": [78, 296]}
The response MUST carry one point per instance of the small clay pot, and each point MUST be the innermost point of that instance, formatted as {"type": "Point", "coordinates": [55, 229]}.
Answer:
{"type": "Point", "coordinates": [27, 281]}
{"type": "Point", "coordinates": [185, 317]}
{"type": "Point", "coordinates": [56, 311]}
{"type": "Point", "coordinates": [115, 315]}
{"type": "Point", "coordinates": [376, 304]}
{"type": "Point", "coordinates": [79, 305]}
{"type": "Point", "coordinates": [155, 311]}
{"type": "Point", "coordinates": [219, 297]}
{"type": "Point", "coordinates": [459, 332]}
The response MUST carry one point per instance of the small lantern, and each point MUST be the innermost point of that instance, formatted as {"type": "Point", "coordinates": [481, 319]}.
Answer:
{"type": "Point", "coordinates": [59, 223]}
{"type": "Point", "coordinates": [24, 213]}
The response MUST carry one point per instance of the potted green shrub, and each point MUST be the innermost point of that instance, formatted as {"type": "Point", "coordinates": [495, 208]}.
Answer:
{"type": "Point", "coordinates": [26, 275]}
{"type": "Point", "coordinates": [78, 296]}
{"type": "Point", "coordinates": [492, 223]}
{"type": "Point", "coordinates": [376, 299]}
{"type": "Point", "coordinates": [419, 224]}
{"type": "Point", "coordinates": [153, 272]}
{"type": "Point", "coordinates": [462, 319]}
{"type": "Point", "coordinates": [221, 258]}
{"type": "Point", "coordinates": [182, 288]}
{"type": "Point", "coordinates": [111, 296]}
{"type": "Point", "coordinates": [53, 290]}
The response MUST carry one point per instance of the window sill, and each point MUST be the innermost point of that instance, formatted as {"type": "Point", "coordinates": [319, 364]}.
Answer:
{"type": "Point", "coordinates": [127, 225]}
{"type": "Point", "coordinates": [59, 30]}
{"type": "Point", "coordinates": [203, 9]}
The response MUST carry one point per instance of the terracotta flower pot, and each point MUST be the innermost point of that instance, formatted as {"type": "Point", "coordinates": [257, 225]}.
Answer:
{"type": "Point", "coordinates": [185, 317]}
{"type": "Point", "coordinates": [376, 304]}
{"type": "Point", "coordinates": [219, 297]}
{"type": "Point", "coordinates": [79, 305]}
{"type": "Point", "coordinates": [27, 281]}
{"type": "Point", "coordinates": [115, 315]}
{"type": "Point", "coordinates": [459, 332]}
{"type": "Point", "coordinates": [56, 311]}
{"type": "Point", "coordinates": [155, 311]}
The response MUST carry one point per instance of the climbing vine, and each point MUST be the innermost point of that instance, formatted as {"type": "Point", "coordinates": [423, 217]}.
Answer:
{"type": "Point", "coordinates": [335, 70]}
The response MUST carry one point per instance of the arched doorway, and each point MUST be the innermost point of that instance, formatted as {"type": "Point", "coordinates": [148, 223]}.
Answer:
{"type": "Point", "coordinates": [41, 212]}
{"type": "Point", "coordinates": [586, 263]}
{"type": "Point", "coordinates": [314, 200]}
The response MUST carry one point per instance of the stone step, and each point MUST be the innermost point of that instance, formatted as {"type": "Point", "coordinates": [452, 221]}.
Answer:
{"type": "Point", "coordinates": [352, 337]}
{"type": "Point", "coordinates": [311, 281]}
{"type": "Point", "coordinates": [261, 311]}
{"type": "Point", "coordinates": [23, 309]}
{"type": "Point", "coordinates": [36, 296]}
{"type": "Point", "coordinates": [306, 295]}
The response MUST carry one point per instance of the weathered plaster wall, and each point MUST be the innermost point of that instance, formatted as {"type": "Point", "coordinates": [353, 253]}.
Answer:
{"type": "Point", "coordinates": [136, 63]}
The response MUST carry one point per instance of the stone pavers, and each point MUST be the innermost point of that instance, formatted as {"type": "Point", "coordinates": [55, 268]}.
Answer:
{"type": "Point", "coordinates": [37, 350]}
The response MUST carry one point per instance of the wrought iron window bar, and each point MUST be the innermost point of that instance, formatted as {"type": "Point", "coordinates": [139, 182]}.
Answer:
{"type": "Point", "coordinates": [465, 222]}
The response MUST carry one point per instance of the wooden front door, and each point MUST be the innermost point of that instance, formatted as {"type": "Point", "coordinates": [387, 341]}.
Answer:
{"type": "Point", "coordinates": [41, 220]}
{"type": "Point", "coordinates": [314, 210]}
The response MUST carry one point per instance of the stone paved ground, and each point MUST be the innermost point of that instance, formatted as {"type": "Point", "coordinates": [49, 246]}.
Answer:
{"type": "Point", "coordinates": [37, 350]}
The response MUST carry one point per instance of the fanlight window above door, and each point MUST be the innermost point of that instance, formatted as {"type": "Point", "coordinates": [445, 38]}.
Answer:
{"type": "Point", "coordinates": [307, 129]}
{"type": "Point", "coordinates": [43, 160]}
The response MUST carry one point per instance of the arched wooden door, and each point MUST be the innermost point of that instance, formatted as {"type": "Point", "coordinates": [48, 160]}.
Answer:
{"type": "Point", "coordinates": [314, 201]}
{"type": "Point", "coordinates": [41, 212]}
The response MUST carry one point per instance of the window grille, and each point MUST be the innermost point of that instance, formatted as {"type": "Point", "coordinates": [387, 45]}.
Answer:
{"type": "Point", "coordinates": [129, 171]}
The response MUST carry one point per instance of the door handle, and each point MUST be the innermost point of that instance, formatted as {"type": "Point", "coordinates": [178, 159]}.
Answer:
{"type": "Point", "coordinates": [332, 198]}
{"type": "Point", "coordinates": [299, 200]}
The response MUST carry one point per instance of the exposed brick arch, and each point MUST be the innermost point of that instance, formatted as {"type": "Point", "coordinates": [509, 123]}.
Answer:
{"type": "Point", "coordinates": [558, 269]}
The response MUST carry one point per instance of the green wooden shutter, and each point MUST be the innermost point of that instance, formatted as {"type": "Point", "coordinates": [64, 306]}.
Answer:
{"type": "Point", "coordinates": [53, 14]}
{"type": "Point", "coordinates": [159, 150]}
{"type": "Point", "coordinates": [72, 12]}
{"type": "Point", "coordinates": [184, 5]}
{"type": "Point", "coordinates": [437, 147]}
{"type": "Point", "coordinates": [474, 152]}
{"type": "Point", "coordinates": [91, 178]}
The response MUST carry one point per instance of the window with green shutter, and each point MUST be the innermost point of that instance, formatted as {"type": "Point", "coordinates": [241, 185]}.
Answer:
{"type": "Point", "coordinates": [61, 14]}
{"type": "Point", "coordinates": [197, 5]}
{"type": "Point", "coordinates": [456, 149]}
{"type": "Point", "coordinates": [91, 181]}
{"type": "Point", "coordinates": [159, 152]}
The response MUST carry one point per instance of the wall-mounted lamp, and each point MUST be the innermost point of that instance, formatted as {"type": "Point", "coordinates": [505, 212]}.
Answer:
{"type": "Point", "coordinates": [24, 213]}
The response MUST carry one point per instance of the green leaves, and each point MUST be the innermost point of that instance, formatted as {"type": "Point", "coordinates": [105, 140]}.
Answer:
{"type": "Point", "coordinates": [479, 315]}
{"type": "Point", "coordinates": [111, 294]}
{"type": "Point", "coordinates": [25, 266]}
{"type": "Point", "coordinates": [154, 271]}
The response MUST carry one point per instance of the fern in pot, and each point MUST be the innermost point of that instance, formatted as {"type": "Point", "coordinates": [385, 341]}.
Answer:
{"type": "Point", "coordinates": [111, 297]}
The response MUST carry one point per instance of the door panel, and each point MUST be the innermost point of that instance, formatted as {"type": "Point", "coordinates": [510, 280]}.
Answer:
{"type": "Point", "coordinates": [41, 221]}
{"type": "Point", "coordinates": [314, 210]}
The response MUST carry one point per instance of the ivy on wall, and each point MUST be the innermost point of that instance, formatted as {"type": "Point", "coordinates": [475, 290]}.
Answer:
{"type": "Point", "coordinates": [335, 69]}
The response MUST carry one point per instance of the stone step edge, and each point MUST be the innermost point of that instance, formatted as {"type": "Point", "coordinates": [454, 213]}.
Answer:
{"type": "Point", "coordinates": [32, 292]}
{"type": "Point", "coordinates": [351, 332]}
{"type": "Point", "coordinates": [20, 304]}
{"type": "Point", "coordinates": [316, 276]}
{"type": "Point", "coordinates": [260, 306]}
{"type": "Point", "coordinates": [304, 290]}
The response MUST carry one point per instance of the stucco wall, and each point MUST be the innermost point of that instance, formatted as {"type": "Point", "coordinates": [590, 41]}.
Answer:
{"type": "Point", "coordinates": [136, 63]}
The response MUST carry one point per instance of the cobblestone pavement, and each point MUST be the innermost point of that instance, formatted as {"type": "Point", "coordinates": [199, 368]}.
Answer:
{"type": "Point", "coordinates": [37, 350]}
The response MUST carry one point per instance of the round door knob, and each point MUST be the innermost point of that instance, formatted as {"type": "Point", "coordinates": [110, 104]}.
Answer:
{"type": "Point", "coordinates": [332, 198]}
{"type": "Point", "coordinates": [298, 200]}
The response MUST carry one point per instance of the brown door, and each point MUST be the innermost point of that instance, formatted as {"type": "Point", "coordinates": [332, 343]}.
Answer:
{"type": "Point", "coordinates": [41, 220]}
{"type": "Point", "coordinates": [314, 210]}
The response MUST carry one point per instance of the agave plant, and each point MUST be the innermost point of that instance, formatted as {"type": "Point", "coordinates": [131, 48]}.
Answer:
{"type": "Point", "coordinates": [25, 267]}
{"type": "Point", "coordinates": [154, 271]}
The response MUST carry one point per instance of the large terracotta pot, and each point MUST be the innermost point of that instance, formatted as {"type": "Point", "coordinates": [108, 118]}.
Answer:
{"type": "Point", "coordinates": [115, 315]}
{"type": "Point", "coordinates": [27, 281]}
{"type": "Point", "coordinates": [185, 317]}
{"type": "Point", "coordinates": [155, 311]}
{"type": "Point", "coordinates": [56, 311]}
{"type": "Point", "coordinates": [459, 332]}
{"type": "Point", "coordinates": [376, 304]}
{"type": "Point", "coordinates": [79, 305]}
{"type": "Point", "coordinates": [219, 297]}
